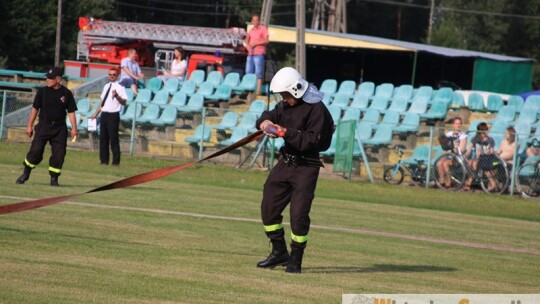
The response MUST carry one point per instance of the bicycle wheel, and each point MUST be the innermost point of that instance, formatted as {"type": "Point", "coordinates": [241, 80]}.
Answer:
{"type": "Point", "coordinates": [393, 176]}
{"type": "Point", "coordinates": [528, 180]}
{"type": "Point", "coordinates": [499, 175]}
{"type": "Point", "coordinates": [456, 173]}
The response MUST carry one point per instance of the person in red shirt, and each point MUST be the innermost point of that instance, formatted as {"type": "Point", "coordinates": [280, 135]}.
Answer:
{"type": "Point", "coordinates": [256, 42]}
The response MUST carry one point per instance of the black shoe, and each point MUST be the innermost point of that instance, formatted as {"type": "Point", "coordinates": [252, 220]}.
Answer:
{"type": "Point", "coordinates": [25, 176]}
{"type": "Point", "coordinates": [295, 262]}
{"type": "Point", "coordinates": [278, 256]}
{"type": "Point", "coordinates": [54, 181]}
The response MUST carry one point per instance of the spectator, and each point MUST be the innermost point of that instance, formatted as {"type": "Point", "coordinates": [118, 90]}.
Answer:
{"type": "Point", "coordinates": [178, 65]}
{"type": "Point", "coordinates": [131, 72]}
{"type": "Point", "coordinates": [482, 156]}
{"type": "Point", "coordinates": [256, 41]}
{"type": "Point", "coordinates": [459, 142]}
{"type": "Point", "coordinates": [508, 146]}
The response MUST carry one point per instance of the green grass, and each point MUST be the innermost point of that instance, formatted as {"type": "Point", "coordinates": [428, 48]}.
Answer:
{"type": "Point", "coordinates": [195, 237]}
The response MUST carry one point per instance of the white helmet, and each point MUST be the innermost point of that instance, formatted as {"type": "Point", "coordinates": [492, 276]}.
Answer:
{"type": "Point", "coordinates": [289, 80]}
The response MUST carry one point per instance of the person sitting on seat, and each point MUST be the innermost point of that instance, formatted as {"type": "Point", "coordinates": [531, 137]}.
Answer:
{"type": "Point", "coordinates": [459, 139]}
{"type": "Point", "coordinates": [481, 154]}
{"type": "Point", "coordinates": [508, 146]}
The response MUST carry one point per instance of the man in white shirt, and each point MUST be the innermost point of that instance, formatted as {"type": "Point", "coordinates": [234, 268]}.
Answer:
{"type": "Point", "coordinates": [113, 97]}
{"type": "Point", "coordinates": [131, 72]}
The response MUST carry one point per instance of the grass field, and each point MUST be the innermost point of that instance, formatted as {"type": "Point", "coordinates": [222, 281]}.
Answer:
{"type": "Point", "coordinates": [195, 237]}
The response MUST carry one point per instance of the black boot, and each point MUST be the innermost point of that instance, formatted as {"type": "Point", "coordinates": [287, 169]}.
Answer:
{"type": "Point", "coordinates": [25, 176]}
{"type": "Point", "coordinates": [54, 181]}
{"type": "Point", "coordinates": [278, 256]}
{"type": "Point", "coordinates": [295, 262]}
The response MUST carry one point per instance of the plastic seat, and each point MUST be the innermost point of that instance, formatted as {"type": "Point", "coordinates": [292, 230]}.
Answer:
{"type": "Point", "coordinates": [444, 95]}
{"type": "Point", "coordinates": [171, 85]}
{"type": "Point", "coordinates": [364, 131]}
{"type": "Point", "coordinates": [523, 129]}
{"type": "Point", "coordinates": [205, 89]}
{"type": "Point", "coordinates": [179, 99]}
{"type": "Point", "coordinates": [390, 118]}
{"type": "Point", "coordinates": [506, 114]}
{"type": "Point", "coordinates": [215, 78]}
{"type": "Point", "coordinates": [384, 90]}
{"type": "Point", "coordinates": [257, 106]}
{"type": "Point", "coordinates": [82, 124]}
{"type": "Point", "coordinates": [347, 87]}
{"type": "Point", "coordinates": [366, 88]}
{"type": "Point", "coordinates": [410, 123]}
{"type": "Point", "coordinates": [423, 92]}
{"type": "Point", "coordinates": [154, 84]}
{"type": "Point", "coordinates": [131, 111]}
{"type": "Point", "coordinates": [272, 105]}
{"type": "Point", "coordinates": [232, 79]}
{"type": "Point", "coordinates": [419, 105]}
{"type": "Point", "coordinates": [130, 95]}
{"type": "Point", "coordinates": [329, 86]}
{"type": "Point", "coordinates": [527, 115]}
{"type": "Point", "coordinates": [248, 122]}
{"type": "Point", "coordinates": [341, 101]}
{"type": "Point", "coordinates": [516, 101]}
{"type": "Point", "coordinates": [476, 102]}
{"type": "Point", "coordinates": [144, 96]}
{"type": "Point", "coordinates": [420, 154]}
{"type": "Point", "coordinates": [382, 136]}
{"type": "Point", "coordinates": [404, 92]}
{"type": "Point", "coordinates": [188, 87]}
{"type": "Point", "coordinates": [399, 105]}
{"type": "Point", "coordinates": [194, 104]}
{"type": "Point", "coordinates": [223, 92]}
{"type": "Point", "coordinates": [151, 113]}
{"type": "Point", "coordinates": [458, 100]}
{"type": "Point", "coordinates": [335, 112]}
{"type": "Point", "coordinates": [161, 98]}
{"type": "Point", "coordinates": [248, 84]}
{"type": "Point", "coordinates": [351, 114]}
{"type": "Point", "coordinates": [379, 103]}
{"type": "Point", "coordinates": [202, 133]}
{"type": "Point", "coordinates": [371, 116]}
{"type": "Point", "coordinates": [327, 99]}
{"type": "Point", "coordinates": [360, 102]}
{"type": "Point", "coordinates": [437, 111]}
{"type": "Point", "coordinates": [77, 120]}
{"type": "Point", "coordinates": [494, 103]}
{"type": "Point", "coordinates": [237, 134]}
{"type": "Point", "coordinates": [228, 121]}
{"type": "Point", "coordinates": [167, 117]}
{"type": "Point", "coordinates": [533, 101]}
{"type": "Point", "coordinates": [197, 77]}
{"type": "Point", "coordinates": [84, 106]}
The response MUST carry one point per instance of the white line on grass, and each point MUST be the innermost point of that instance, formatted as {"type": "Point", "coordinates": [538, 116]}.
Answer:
{"type": "Point", "coordinates": [330, 228]}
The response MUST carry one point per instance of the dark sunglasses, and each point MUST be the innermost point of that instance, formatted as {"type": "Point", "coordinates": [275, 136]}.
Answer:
{"type": "Point", "coordinates": [113, 74]}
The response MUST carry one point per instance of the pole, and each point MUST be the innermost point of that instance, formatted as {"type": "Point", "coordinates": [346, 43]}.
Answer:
{"type": "Point", "coordinates": [3, 115]}
{"type": "Point", "coordinates": [415, 62]}
{"type": "Point", "coordinates": [203, 114]}
{"type": "Point", "coordinates": [428, 172]}
{"type": "Point", "coordinates": [300, 37]}
{"type": "Point", "coordinates": [430, 25]}
{"type": "Point", "coordinates": [58, 33]}
{"type": "Point", "coordinates": [132, 143]}
{"type": "Point", "coordinates": [514, 165]}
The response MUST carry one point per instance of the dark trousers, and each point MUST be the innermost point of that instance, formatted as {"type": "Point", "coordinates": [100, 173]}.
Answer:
{"type": "Point", "coordinates": [288, 184]}
{"type": "Point", "coordinates": [56, 135]}
{"type": "Point", "coordinates": [108, 135]}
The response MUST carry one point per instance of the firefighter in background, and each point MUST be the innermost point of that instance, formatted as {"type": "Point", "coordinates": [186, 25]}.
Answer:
{"type": "Point", "coordinates": [306, 127]}
{"type": "Point", "coordinates": [51, 104]}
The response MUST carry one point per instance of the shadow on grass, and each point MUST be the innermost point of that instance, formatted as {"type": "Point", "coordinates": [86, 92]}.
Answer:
{"type": "Point", "coordinates": [379, 268]}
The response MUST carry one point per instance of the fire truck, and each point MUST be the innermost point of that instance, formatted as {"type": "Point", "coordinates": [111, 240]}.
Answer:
{"type": "Point", "coordinates": [102, 41]}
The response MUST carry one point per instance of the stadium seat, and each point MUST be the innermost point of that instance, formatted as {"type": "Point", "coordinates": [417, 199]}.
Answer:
{"type": "Point", "coordinates": [384, 90]}
{"type": "Point", "coordinates": [167, 117]}
{"type": "Point", "coordinates": [516, 101]}
{"type": "Point", "coordinates": [476, 103]}
{"type": "Point", "coordinates": [533, 101]}
{"type": "Point", "coordinates": [347, 88]}
{"type": "Point", "coordinates": [327, 99]}
{"type": "Point", "coordinates": [382, 136]}
{"type": "Point", "coordinates": [150, 114]}
{"type": "Point", "coordinates": [523, 130]}
{"type": "Point", "coordinates": [161, 98]}
{"type": "Point", "coordinates": [379, 103]}
{"type": "Point", "coordinates": [154, 84]}
{"type": "Point", "coordinates": [366, 88]}
{"type": "Point", "coordinates": [444, 95]}
{"type": "Point", "coordinates": [228, 121]}
{"type": "Point", "coordinates": [457, 101]}
{"type": "Point", "coordinates": [360, 102]}
{"type": "Point", "coordinates": [351, 114]}
{"type": "Point", "coordinates": [341, 101]}
{"type": "Point", "coordinates": [423, 92]}
{"type": "Point", "coordinates": [329, 86]}
{"type": "Point", "coordinates": [420, 154]}
{"type": "Point", "coordinates": [130, 95]}
{"type": "Point", "coordinates": [248, 122]}
{"type": "Point", "coordinates": [179, 99]}
{"type": "Point", "coordinates": [527, 115]}
{"type": "Point", "coordinates": [494, 103]}
{"type": "Point", "coordinates": [399, 105]}
{"type": "Point", "coordinates": [403, 92]}
{"type": "Point", "coordinates": [223, 92]}
{"type": "Point", "coordinates": [215, 78]}
{"type": "Point", "coordinates": [205, 89]}
{"type": "Point", "coordinates": [419, 105]}
{"type": "Point", "coordinates": [144, 96]}
{"type": "Point", "coordinates": [371, 116]}
{"type": "Point", "coordinates": [437, 111]}
{"type": "Point", "coordinates": [410, 123]}
{"type": "Point", "coordinates": [194, 104]}
{"type": "Point", "coordinates": [202, 133]}
{"type": "Point", "coordinates": [257, 106]}
{"type": "Point", "coordinates": [197, 77]}
{"type": "Point", "coordinates": [77, 120]}
{"type": "Point", "coordinates": [505, 114]}
{"type": "Point", "coordinates": [84, 106]}
{"type": "Point", "coordinates": [335, 112]}
{"type": "Point", "coordinates": [390, 118]}
{"type": "Point", "coordinates": [237, 134]}
{"type": "Point", "coordinates": [232, 79]}
{"type": "Point", "coordinates": [188, 87]}
{"type": "Point", "coordinates": [171, 85]}
{"type": "Point", "coordinates": [131, 112]}
{"type": "Point", "coordinates": [364, 131]}
{"type": "Point", "coordinates": [248, 84]}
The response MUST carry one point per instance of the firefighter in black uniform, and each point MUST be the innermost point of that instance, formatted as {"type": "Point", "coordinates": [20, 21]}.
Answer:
{"type": "Point", "coordinates": [51, 104]}
{"type": "Point", "coordinates": [306, 127]}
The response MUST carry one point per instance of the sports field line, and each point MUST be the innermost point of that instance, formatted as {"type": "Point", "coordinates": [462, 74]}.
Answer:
{"type": "Point", "coordinates": [322, 227]}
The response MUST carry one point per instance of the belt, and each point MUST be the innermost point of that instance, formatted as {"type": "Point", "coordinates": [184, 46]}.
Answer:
{"type": "Point", "coordinates": [295, 160]}
{"type": "Point", "coordinates": [55, 123]}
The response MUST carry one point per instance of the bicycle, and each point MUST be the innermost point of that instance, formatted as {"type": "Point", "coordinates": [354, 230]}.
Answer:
{"type": "Point", "coordinates": [528, 177]}
{"type": "Point", "coordinates": [416, 169]}
{"type": "Point", "coordinates": [460, 170]}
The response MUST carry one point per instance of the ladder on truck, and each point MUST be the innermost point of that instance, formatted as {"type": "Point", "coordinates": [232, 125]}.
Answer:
{"type": "Point", "coordinates": [97, 31]}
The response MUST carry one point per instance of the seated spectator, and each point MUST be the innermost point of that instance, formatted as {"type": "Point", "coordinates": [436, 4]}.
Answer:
{"type": "Point", "coordinates": [459, 139]}
{"type": "Point", "coordinates": [482, 155]}
{"type": "Point", "coordinates": [178, 65]}
{"type": "Point", "coordinates": [131, 72]}
{"type": "Point", "coordinates": [508, 146]}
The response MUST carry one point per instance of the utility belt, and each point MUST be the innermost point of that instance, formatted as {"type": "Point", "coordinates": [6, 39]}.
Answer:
{"type": "Point", "coordinates": [295, 160]}
{"type": "Point", "coordinates": [54, 123]}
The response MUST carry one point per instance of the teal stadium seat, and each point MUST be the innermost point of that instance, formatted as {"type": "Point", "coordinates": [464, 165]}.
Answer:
{"type": "Point", "coordinates": [399, 104]}
{"type": "Point", "coordinates": [257, 106]}
{"type": "Point", "coordinates": [237, 134]}
{"type": "Point", "coordinates": [197, 77]}
{"type": "Point", "coordinates": [205, 89]}
{"type": "Point", "coordinates": [275, 143]}
{"type": "Point", "coordinates": [228, 121]}
{"type": "Point", "coordinates": [347, 87]}
{"type": "Point", "coordinates": [171, 85]}
{"type": "Point", "coordinates": [131, 111]}
{"type": "Point", "coordinates": [215, 78]}
{"type": "Point", "coordinates": [444, 95]}
{"type": "Point", "coordinates": [167, 117]}
{"type": "Point", "coordinates": [351, 114]}
{"type": "Point", "coordinates": [404, 92]}
{"type": "Point", "coordinates": [329, 87]}
{"type": "Point", "coordinates": [505, 114]}
{"type": "Point", "coordinates": [77, 120]}
{"type": "Point", "coordinates": [232, 79]}
{"type": "Point", "coordinates": [494, 103]}
{"type": "Point", "coordinates": [379, 103]}
{"type": "Point", "coordinates": [420, 154]}
{"type": "Point", "coordinates": [341, 101]}
{"type": "Point", "coordinates": [223, 92]}
{"type": "Point", "coordinates": [248, 84]}
{"type": "Point", "coordinates": [360, 102]}
{"type": "Point", "coordinates": [527, 115]}
{"type": "Point", "coordinates": [161, 98]}
{"type": "Point", "coordinates": [419, 105]}
{"type": "Point", "coordinates": [364, 131]}
{"type": "Point", "coordinates": [335, 112]}
{"type": "Point", "coordinates": [390, 118]}
{"type": "Point", "coordinates": [130, 95]}
{"type": "Point", "coordinates": [332, 149]}
{"type": "Point", "coordinates": [410, 123]}
{"type": "Point", "coordinates": [188, 87]}
{"type": "Point", "coordinates": [179, 99]}
{"type": "Point", "coordinates": [476, 102]}
{"type": "Point", "coordinates": [195, 104]}
{"type": "Point", "coordinates": [458, 100]}
{"type": "Point", "coordinates": [150, 114]}
{"type": "Point", "coordinates": [202, 133]}
{"type": "Point", "coordinates": [248, 122]}
{"type": "Point", "coordinates": [144, 96]}
{"type": "Point", "coordinates": [384, 90]}
{"type": "Point", "coordinates": [371, 116]}
{"type": "Point", "coordinates": [533, 101]}
{"type": "Point", "coordinates": [154, 84]}
{"type": "Point", "coordinates": [84, 106]}
{"type": "Point", "coordinates": [366, 88]}
{"type": "Point", "coordinates": [424, 93]}
{"type": "Point", "coordinates": [382, 136]}
{"type": "Point", "coordinates": [437, 111]}
{"type": "Point", "coordinates": [516, 101]}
